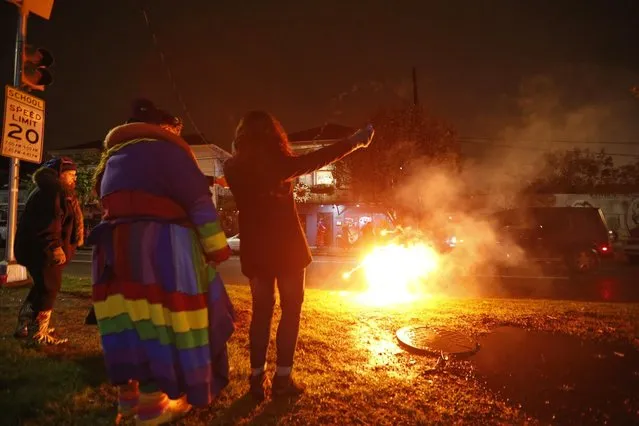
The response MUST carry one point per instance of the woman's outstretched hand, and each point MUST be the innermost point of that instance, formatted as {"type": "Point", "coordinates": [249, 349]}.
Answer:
{"type": "Point", "coordinates": [363, 137]}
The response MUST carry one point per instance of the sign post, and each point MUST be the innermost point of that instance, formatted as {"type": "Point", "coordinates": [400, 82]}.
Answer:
{"type": "Point", "coordinates": [22, 139]}
{"type": "Point", "coordinates": [22, 134]}
{"type": "Point", "coordinates": [11, 271]}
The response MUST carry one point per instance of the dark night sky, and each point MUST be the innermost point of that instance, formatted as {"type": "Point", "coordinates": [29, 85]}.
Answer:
{"type": "Point", "coordinates": [520, 69]}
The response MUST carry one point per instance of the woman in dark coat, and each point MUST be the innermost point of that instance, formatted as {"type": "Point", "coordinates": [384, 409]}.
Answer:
{"type": "Point", "coordinates": [274, 250]}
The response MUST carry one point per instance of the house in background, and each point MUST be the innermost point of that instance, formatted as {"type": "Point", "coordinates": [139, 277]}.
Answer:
{"type": "Point", "coordinates": [88, 150]}
{"type": "Point", "coordinates": [329, 215]}
{"type": "Point", "coordinates": [211, 160]}
{"type": "Point", "coordinates": [210, 157]}
{"type": "Point", "coordinates": [313, 139]}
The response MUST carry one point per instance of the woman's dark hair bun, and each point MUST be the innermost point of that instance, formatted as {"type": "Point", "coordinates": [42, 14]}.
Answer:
{"type": "Point", "coordinates": [143, 109]}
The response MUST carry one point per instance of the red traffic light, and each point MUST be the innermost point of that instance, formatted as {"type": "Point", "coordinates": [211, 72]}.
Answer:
{"type": "Point", "coordinates": [37, 78]}
{"type": "Point", "coordinates": [38, 57]}
{"type": "Point", "coordinates": [35, 73]}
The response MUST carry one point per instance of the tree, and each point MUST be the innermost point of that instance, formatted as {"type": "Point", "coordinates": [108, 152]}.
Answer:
{"type": "Point", "coordinates": [404, 138]}
{"type": "Point", "coordinates": [86, 162]}
{"type": "Point", "coordinates": [628, 175]}
{"type": "Point", "coordinates": [84, 186]}
{"type": "Point", "coordinates": [583, 171]}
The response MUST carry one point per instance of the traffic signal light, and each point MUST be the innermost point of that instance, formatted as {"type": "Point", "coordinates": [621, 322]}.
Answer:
{"type": "Point", "coordinates": [35, 68]}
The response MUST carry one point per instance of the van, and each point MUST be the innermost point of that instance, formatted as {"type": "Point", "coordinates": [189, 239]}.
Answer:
{"type": "Point", "coordinates": [576, 237]}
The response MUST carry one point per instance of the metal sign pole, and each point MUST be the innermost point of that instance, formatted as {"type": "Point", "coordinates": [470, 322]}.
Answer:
{"type": "Point", "coordinates": [15, 272]}
{"type": "Point", "coordinates": [14, 171]}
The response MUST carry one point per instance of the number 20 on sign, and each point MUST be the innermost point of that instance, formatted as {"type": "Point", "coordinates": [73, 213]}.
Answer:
{"type": "Point", "coordinates": [23, 129]}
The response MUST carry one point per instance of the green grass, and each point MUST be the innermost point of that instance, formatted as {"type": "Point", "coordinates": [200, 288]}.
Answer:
{"type": "Point", "coordinates": [347, 354]}
{"type": "Point", "coordinates": [77, 286]}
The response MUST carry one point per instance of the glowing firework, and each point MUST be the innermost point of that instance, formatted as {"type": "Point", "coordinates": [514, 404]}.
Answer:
{"type": "Point", "coordinates": [395, 273]}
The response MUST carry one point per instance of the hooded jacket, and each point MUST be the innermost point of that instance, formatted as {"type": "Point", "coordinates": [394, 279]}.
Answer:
{"type": "Point", "coordinates": [49, 221]}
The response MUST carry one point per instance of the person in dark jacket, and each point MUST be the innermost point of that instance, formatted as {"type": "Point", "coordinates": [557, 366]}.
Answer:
{"type": "Point", "coordinates": [261, 175]}
{"type": "Point", "coordinates": [49, 231]}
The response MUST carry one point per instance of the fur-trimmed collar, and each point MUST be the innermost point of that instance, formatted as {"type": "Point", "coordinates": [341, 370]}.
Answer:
{"type": "Point", "coordinates": [132, 131]}
{"type": "Point", "coordinates": [46, 178]}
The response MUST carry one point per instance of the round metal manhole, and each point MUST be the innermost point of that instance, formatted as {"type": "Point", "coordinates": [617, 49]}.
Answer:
{"type": "Point", "coordinates": [432, 341]}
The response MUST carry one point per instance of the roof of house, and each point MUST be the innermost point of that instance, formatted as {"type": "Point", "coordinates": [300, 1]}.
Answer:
{"type": "Point", "coordinates": [87, 145]}
{"type": "Point", "coordinates": [195, 139]}
{"type": "Point", "coordinates": [192, 139]}
{"type": "Point", "coordinates": [329, 131]}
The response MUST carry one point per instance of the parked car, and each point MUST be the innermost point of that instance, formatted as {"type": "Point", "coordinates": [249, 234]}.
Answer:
{"type": "Point", "coordinates": [575, 237]}
{"type": "Point", "coordinates": [4, 219]}
{"type": "Point", "coordinates": [234, 243]}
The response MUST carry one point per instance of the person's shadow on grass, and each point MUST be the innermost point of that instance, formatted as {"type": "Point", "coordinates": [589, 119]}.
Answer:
{"type": "Point", "coordinates": [274, 409]}
{"type": "Point", "coordinates": [268, 411]}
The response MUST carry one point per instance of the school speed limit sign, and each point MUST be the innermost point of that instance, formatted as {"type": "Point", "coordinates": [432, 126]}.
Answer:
{"type": "Point", "coordinates": [23, 129]}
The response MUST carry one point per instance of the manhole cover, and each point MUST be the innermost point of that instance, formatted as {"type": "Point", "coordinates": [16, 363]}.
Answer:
{"type": "Point", "coordinates": [433, 341]}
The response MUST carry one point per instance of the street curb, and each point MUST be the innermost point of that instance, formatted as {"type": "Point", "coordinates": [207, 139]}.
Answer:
{"type": "Point", "coordinates": [18, 284]}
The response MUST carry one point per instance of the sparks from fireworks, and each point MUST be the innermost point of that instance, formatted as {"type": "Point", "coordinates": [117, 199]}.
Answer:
{"type": "Point", "coordinates": [395, 273]}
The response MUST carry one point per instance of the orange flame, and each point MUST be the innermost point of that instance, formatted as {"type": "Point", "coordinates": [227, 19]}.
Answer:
{"type": "Point", "coordinates": [395, 273]}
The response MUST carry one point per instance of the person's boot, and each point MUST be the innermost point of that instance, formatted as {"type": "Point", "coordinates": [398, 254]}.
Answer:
{"type": "Point", "coordinates": [39, 330]}
{"type": "Point", "coordinates": [258, 386]}
{"type": "Point", "coordinates": [286, 386]}
{"type": "Point", "coordinates": [128, 400]}
{"type": "Point", "coordinates": [25, 316]}
{"type": "Point", "coordinates": [157, 409]}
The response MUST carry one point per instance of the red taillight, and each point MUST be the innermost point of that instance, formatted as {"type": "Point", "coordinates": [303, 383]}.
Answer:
{"type": "Point", "coordinates": [604, 248]}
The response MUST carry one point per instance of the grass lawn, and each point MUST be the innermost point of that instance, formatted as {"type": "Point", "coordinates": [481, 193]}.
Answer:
{"type": "Point", "coordinates": [347, 355]}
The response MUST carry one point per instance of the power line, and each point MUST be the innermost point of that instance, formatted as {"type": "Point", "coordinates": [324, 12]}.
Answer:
{"type": "Point", "coordinates": [167, 68]}
{"type": "Point", "coordinates": [549, 141]}
{"type": "Point", "coordinates": [532, 148]}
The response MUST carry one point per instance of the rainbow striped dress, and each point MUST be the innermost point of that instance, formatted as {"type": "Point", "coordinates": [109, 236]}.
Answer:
{"type": "Point", "coordinates": [162, 310]}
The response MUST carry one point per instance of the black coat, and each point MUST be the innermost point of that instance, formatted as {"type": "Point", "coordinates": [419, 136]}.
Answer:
{"type": "Point", "coordinates": [272, 238]}
{"type": "Point", "coordinates": [48, 222]}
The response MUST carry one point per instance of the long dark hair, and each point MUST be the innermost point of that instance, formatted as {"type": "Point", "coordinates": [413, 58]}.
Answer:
{"type": "Point", "coordinates": [259, 134]}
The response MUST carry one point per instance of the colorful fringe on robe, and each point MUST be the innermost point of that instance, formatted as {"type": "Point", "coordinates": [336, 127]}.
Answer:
{"type": "Point", "coordinates": [162, 310]}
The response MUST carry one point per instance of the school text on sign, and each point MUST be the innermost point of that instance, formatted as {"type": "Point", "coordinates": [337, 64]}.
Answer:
{"type": "Point", "coordinates": [23, 129]}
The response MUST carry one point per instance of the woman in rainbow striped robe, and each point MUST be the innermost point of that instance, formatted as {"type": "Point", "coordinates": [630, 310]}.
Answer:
{"type": "Point", "coordinates": [162, 309]}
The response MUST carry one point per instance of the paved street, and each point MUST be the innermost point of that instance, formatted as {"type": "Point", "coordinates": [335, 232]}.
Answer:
{"type": "Point", "coordinates": [615, 283]}
{"type": "Point", "coordinates": [324, 272]}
